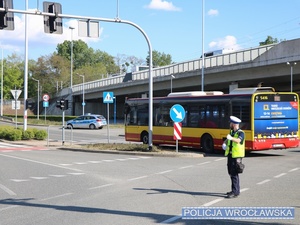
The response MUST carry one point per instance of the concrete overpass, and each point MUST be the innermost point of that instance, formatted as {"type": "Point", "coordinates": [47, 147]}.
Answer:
{"type": "Point", "coordinates": [243, 68]}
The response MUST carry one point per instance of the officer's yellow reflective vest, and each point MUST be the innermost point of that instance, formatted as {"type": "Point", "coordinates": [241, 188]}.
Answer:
{"type": "Point", "coordinates": [238, 149]}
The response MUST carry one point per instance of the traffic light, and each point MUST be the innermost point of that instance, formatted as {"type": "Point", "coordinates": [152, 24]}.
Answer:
{"type": "Point", "coordinates": [6, 18]}
{"type": "Point", "coordinates": [62, 104]}
{"type": "Point", "coordinates": [28, 104]}
{"type": "Point", "coordinates": [53, 24]}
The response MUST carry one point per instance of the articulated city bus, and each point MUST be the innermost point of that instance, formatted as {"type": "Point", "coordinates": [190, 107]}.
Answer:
{"type": "Point", "coordinates": [270, 119]}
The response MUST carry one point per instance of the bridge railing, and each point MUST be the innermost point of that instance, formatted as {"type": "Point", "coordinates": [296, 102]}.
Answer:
{"type": "Point", "coordinates": [241, 56]}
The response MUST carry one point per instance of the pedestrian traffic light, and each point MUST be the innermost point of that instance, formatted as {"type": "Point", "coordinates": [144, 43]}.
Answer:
{"type": "Point", "coordinates": [6, 18]}
{"type": "Point", "coordinates": [53, 24]}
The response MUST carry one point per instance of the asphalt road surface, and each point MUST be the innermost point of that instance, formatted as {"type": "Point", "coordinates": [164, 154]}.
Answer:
{"type": "Point", "coordinates": [69, 188]}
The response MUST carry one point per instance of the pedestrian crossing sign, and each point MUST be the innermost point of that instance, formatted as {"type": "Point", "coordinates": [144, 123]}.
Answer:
{"type": "Point", "coordinates": [108, 97]}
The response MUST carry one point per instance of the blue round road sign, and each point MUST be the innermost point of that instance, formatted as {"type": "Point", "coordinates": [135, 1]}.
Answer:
{"type": "Point", "coordinates": [177, 113]}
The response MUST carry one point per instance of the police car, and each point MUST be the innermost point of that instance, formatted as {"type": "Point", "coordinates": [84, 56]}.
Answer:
{"type": "Point", "coordinates": [91, 121]}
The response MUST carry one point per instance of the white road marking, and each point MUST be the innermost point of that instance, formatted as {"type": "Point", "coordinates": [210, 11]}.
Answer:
{"type": "Point", "coordinates": [76, 174]}
{"type": "Point", "coordinates": [200, 164]}
{"type": "Point", "coordinates": [163, 172]}
{"type": "Point", "coordinates": [19, 180]}
{"type": "Point", "coordinates": [43, 163]}
{"type": "Point", "coordinates": [263, 182]}
{"type": "Point", "coordinates": [137, 178]}
{"type": "Point", "coordinates": [102, 186]}
{"type": "Point", "coordinates": [279, 175]}
{"type": "Point", "coordinates": [220, 159]}
{"type": "Point", "coordinates": [186, 167]}
{"type": "Point", "coordinates": [7, 190]}
{"type": "Point", "coordinates": [39, 178]}
{"type": "Point", "coordinates": [295, 169]}
{"type": "Point", "coordinates": [58, 196]}
{"type": "Point", "coordinates": [57, 176]}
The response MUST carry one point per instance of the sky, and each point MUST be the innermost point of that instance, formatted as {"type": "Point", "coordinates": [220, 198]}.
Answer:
{"type": "Point", "coordinates": [173, 26]}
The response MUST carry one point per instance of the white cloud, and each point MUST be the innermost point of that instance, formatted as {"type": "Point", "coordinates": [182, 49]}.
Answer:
{"type": "Point", "coordinates": [213, 12]}
{"type": "Point", "coordinates": [14, 41]}
{"type": "Point", "coordinates": [228, 42]}
{"type": "Point", "coordinates": [162, 5]}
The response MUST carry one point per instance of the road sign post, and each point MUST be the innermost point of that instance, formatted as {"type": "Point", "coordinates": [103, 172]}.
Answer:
{"type": "Point", "coordinates": [108, 97]}
{"type": "Point", "coordinates": [177, 114]}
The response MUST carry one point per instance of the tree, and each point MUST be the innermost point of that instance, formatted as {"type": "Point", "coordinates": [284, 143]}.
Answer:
{"type": "Point", "coordinates": [159, 59]}
{"type": "Point", "coordinates": [83, 56]}
{"type": "Point", "coordinates": [128, 63]}
{"type": "Point", "coordinates": [268, 41]}
{"type": "Point", "coordinates": [13, 75]}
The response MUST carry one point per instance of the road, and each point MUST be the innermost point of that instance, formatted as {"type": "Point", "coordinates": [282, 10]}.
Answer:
{"type": "Point", "coordinates": [64, 187]}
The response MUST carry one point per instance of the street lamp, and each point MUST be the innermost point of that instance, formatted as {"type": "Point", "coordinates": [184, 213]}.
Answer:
{"type": "Point", "coordinates": [2, 82]}
{"type": "Point", "coordinates": [115, 109]}
{"type": "Point", "coordinates": [71, 70]}
{"type": "Point", "coordinates": [83, 103]}
{"type": "Point", "coordinates": [172, 76]}
{"type": "Point", "coordinates": [38, 98]}
{"type": "Point", "coordinates": [291, 64]}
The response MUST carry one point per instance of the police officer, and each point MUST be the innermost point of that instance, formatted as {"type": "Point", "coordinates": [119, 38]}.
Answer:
{"type": "Point", "coordinates": [235, 151]}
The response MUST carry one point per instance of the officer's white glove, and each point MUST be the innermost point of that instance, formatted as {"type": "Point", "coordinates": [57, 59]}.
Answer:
{"type": "Point", "coordinates": [229, 137]}
{"type": "Point", "coordinates": [224, 146]}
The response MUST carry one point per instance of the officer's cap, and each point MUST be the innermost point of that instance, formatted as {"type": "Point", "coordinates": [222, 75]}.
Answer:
{"type": "Point", "coordinates": [235, 120]}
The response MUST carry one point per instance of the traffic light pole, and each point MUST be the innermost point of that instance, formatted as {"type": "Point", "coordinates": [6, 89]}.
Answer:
{"type": "Point", "coordinates": [63, 127]}
{"type": "Point", "coordinates": [116, 20]}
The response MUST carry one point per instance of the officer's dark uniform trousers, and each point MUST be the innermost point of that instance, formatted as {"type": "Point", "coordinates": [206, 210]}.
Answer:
{"type": "Point", "coordinates": [231, 167]}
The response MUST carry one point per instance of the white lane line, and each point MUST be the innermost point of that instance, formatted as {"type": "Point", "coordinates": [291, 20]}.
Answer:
{"type": "Point", "coordinates": [137, 178]}
{"type": "Point", "coordinates": [186, 167]}
{"type": "Point", "coordinates": [121, 159]}
{"type": "Point", "coordinates": [108, 160]}
{"type": "Point", "coordinates": [213, 202]}
{"type": "Point", "coordinates": [9, 207]}
{"type": "Point", "coordinates": [57, 175]}
{"type": "Point", "coordinates": [94, 161]}
{"type": "Point", "coordinates": [39, 178]}
{"type": "Point", "coordinates": [58, 196]}
{"type": "Point", "coordinates": [19, 180]}
{"type": "Point", "coordinates": [102, 186]}
{"type": "Point", "coordinates": [200, 164]}
{"type": "Point", "coordinates": [80, 163]}
{"type": "Point", "coordinates": [7, 190]}
{"type": "Point", "coordinates": [66, 164]}
{"type": "Point", "coordinates": [263, 182]}
{"type": "Point", "coordinates": [43, 163]}
{"type": "Point", "coordinates": [220, 159]}
{"type": "Point", "coordinates": [166, 171]}
{"type": "Point", "coordinates": [244, 189]}
{"type": "Point", "coordinates": [133, 158]}
{"type": "Point", "coordinates": [279, 175]}
{"type": "Point", "coordinates": [76, 174]}
{"type": "Point", "coordinates": [292, 170]}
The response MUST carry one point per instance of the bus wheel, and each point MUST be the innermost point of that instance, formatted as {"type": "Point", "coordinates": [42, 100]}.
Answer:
{"type": "Point", "coordinates": [145, 137]}
{"type": "Point", "coordinates": [207, 143]}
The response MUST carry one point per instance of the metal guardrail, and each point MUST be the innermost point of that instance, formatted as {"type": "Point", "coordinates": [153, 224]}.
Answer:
{"type": "Point", "coordinates": [241, 56]}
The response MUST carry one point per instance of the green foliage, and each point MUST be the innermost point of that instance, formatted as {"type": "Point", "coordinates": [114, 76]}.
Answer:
{"type": "Point", "coordinates": [268, 41]}
{"type": "Point", "coordinates": [13, 134]}
{"type": "Point", "coordinates": [28, 134]}
{"type": "Point", "coordinates": [40, 135]}
{"type": "Point", "coordinates": [159, 59]}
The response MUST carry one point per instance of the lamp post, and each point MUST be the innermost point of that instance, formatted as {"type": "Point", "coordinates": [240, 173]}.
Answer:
{"type": "Point", "coordinates": [38, 98]}
{"type": "Point", "coordinates": [83, 103]}
{"type": "Point", "coordinates": [291, 64]}
{"type": "Point", "coordinates": [172, 76]}
{"type": "Point", "coordinates": [2, 83]}
{"type": "Point", "coordinates": [115, 109]}
{"type": "Point", "coordinates": [71, 70]}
